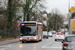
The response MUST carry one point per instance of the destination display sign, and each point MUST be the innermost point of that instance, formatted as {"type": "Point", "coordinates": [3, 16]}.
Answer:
{"type": "Point", "coordinates": [28, 24]}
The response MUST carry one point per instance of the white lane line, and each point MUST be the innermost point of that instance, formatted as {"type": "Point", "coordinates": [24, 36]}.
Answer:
{"type": "Point", "coordinates": [47, 45]}
{"type": "Point", "coordinates": [54, 47]}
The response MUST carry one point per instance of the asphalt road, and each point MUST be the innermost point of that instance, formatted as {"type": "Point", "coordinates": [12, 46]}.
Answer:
{"type": "Point", "coordinates": [45, 44]}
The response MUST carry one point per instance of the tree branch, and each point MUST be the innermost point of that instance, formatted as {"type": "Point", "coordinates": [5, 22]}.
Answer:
{"type": "Point", "coordinates": [33, 5]}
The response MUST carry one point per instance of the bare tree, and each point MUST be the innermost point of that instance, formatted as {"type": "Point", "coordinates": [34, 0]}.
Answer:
{"type": "Point", "coordinates": [30, 6]}
{"type": "Point", "coordinates": [54, 19]}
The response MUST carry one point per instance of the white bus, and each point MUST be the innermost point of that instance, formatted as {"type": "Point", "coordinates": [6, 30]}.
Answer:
{"type": "Point", "coordinates": [31, 31]}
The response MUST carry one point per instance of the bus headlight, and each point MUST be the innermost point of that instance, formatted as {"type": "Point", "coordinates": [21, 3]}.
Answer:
{"type": "Point", "coordinates": [21, 38]}
{"type": "Point", "coordinates": [35, 37]}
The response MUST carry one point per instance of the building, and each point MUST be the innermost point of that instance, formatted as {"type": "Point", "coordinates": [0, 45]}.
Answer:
{"type": "Point", "coordinates": [45, 18]}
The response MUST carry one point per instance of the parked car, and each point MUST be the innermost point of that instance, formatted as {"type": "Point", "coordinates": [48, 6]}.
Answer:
{"type": "Point", "coordinates": [68, 43]}
{"type": "Point", "coordinates": [58, 30]}
{"type": "Point", "coordinates": [54, 32]}
{"type": "Point", "coordinates": [50, 34]}
{"type": "Point", "coordinates": [59, 35]}
{"type": "Point", "coordinates": [45, 34]}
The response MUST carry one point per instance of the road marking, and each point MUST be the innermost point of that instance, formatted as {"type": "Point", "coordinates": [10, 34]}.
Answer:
{"type": "Point", "coordinates": [48, 44]}
{"type": "Point", "coordinates": [54, 47]}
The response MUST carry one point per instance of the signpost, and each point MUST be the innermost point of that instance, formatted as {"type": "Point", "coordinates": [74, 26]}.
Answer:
{"type": "Point", "coordinates": [72, 22]}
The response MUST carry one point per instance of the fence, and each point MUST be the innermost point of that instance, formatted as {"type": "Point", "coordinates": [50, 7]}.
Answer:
{"type": "Point", "coordinates": [9, 33]}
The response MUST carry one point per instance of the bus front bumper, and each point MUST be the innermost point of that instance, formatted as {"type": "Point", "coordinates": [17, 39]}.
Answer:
{"type": "Point", "coordinates": [28, 39]}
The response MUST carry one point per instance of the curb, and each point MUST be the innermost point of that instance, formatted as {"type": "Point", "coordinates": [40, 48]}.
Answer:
{"type": "Point", "coordinates": [9, 41]}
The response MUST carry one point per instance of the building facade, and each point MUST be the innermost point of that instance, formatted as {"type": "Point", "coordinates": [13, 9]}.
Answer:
{"type": "Point", "coordinates": [45, 19]}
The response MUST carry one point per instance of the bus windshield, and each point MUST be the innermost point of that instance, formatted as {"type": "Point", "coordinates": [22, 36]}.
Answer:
{"type": "Point", "coordinates": [28, 30]}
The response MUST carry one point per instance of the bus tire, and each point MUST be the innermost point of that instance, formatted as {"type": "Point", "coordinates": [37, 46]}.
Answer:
{"type": "Point", "coordinates": [41, 40]}
{"type": "Point", "coordinates": [38, 40]}
{"type": "Point", "coordinates": [22, 41]}
{"type": "Point", "coordinates": [47, 37]}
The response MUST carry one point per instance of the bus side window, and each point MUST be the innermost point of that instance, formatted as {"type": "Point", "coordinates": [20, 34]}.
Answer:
{"type": "Point", "coordinates": [37, 27]}
{"type": "Point", "coordinates": [41, 28]}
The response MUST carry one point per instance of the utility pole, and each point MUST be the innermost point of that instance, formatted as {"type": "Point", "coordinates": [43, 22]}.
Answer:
{"type": "Point", "coordinates": [15, 19]}
{"type": "Point", "coordinates": [54, 22]}
{"type": "Point", "coordinates": [68, 15]}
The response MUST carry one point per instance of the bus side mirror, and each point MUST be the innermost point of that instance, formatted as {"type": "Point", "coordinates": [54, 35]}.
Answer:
{"type": "Point", "coordinates": [17, 26]}
{"type": "Point", "coordinates": [21, 34]}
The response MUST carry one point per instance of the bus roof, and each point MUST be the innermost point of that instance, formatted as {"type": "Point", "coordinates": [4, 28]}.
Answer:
{"type": "Point", "coordinates": [39, 23]}
{"type": "Point", "coordinates": [29, 22]}
{"type": "Point", "coordinates": [32, 22]}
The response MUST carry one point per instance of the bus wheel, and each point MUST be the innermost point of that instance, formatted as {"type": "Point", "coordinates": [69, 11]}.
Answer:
{"type": "Point", "coordinates": [47, 37]}
{"type": "Point", "coordinates": [37, 40]}
{"type": "Point", "coordinates": [22, 41]}
{"type": "Point", "coordinates": [41, 40]}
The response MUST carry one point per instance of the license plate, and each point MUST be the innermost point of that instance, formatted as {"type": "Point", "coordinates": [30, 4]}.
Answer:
{"type": "Point", "coordinates": [28, 40]}
{"type": "Point", "coordinates": [59, 36]}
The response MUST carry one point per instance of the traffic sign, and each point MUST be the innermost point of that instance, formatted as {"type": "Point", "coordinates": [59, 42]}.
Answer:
{"type": "Point", "coordinates": [73, 25]}
{"type": "Point", "coordinates": [72, 10]}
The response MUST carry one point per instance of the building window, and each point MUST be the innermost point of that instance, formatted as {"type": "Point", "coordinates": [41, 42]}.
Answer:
{"type": "Point", "coordinates": [43, 19]}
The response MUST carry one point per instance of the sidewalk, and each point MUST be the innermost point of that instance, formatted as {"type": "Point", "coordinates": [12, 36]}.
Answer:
{"type": "Point", "coordinates": [8, 41]}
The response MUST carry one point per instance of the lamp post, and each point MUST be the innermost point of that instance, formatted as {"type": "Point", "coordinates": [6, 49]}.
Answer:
{"type": "Point", "coordinates": [15, 19]}
{"type": "Point", "coordinates": [68, 14]}
{"type": "Point", "coordinates": [68, 10]}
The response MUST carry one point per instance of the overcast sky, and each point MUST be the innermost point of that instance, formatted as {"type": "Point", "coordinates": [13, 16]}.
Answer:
{"type": "Point", "coordinates": [61, 5]}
